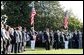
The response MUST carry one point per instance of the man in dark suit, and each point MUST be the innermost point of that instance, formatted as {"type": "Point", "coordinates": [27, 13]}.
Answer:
{"type": "Point", "coordinates": [43, 39]}
{"type": "Point", "coordinates": [79, 33]}
{"type": "Point", "coordinates": [39, 39]}
{"type": "Point", "coordinates": [70, 40]}
{"type": "Point", "coordinates": [16, 35]}
{"type": "Point", "coordinates": [61, 40]}
{"type": "Point", "coordinates": [47, 39]}
{"type": "Point", "coordinates": [75, 40]}
{"type": "Point", "coordinates": [14, 41]}
{"type": "Point", "coordinates": [55, 40]}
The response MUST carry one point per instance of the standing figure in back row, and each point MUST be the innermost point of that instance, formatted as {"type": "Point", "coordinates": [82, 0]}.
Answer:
{"type": "Point", "coordinates": [33, 38]}
{"type": "Point", "coordinates": [75, 40]}
{"type": "Point", "coordinates": [47, 39]}
{"type": "Point", "coordinates": [51, 38]}
{"type": "Point", "coordinates": [24, 37]}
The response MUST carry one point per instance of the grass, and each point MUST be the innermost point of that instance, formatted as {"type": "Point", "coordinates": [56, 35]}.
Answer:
{"type": "Point", "coordinates": [52, 51]}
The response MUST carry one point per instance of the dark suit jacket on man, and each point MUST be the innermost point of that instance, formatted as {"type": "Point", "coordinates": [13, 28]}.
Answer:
{"type": "Point", "coordinates": [46, 37]}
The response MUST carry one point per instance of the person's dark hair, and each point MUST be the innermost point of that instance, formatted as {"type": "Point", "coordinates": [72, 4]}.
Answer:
{"type": "Point", "coordinates": [7, 28]}
{"type": "Point", "coordinates": [23, 28]}
{"type": "Point", "coordinates": [17, 28]}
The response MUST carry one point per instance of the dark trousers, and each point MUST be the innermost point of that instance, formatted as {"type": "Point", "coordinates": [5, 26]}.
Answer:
{"type": "Point", "coordinates": [56, 45]}
{"type": "Point", "coordinates": [61, 44]}
{"type": "Point", "coordinates": [13, 47]}
{"type": "Point", "coordinates": [17, 47]}
{"type": "Point", "coordinates": [28, 43]}
{"type": "Point", "coordinates": [4, 49]}
{"type": "Point", "coordinates": [70, 44]}
{"type": "Point", "coordinates": [75, 44]}
{"type": "Point", "coordinates": [47, 45]}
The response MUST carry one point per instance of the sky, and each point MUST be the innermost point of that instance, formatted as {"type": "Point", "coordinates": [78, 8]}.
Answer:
{"type": "Point", "coordinates": [75, 6]}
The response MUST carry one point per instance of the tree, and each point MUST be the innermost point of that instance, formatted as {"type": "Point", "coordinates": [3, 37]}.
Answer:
{"type": "Point", "coordinates": [49, 13]}
{"type": "Point", "coordinates": [75, 24]}
{"type": "Point", "coordinates": [17, 12]}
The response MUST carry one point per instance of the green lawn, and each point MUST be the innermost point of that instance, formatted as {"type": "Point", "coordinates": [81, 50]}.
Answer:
{"type": "Point", "coordinates": [52, 51]}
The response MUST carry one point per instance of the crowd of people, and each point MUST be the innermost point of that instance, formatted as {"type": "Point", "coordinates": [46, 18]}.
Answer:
{"type": "Point", "coordinates": [15, 40]}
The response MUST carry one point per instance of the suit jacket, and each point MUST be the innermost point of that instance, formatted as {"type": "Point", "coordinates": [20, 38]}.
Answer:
{"type": "Point", "coordinates": [61, 38]}
{"type": "Point", "coordinates": [39, 36]}
{"type": "Point", "coordinates": [46, 36]}
{"type": "Point", "coordinates": [75, 37]}
{"type": "Point", "coordinates": [31, 37]}
{"type": "Point", "coordinates": [56, 37]}
{"type": "Point", "coordinates": [14, 35]}
{"type": "Point", "coordinates": [52, 36]}
{"type": "Point", "coordinates": [65, 37]}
